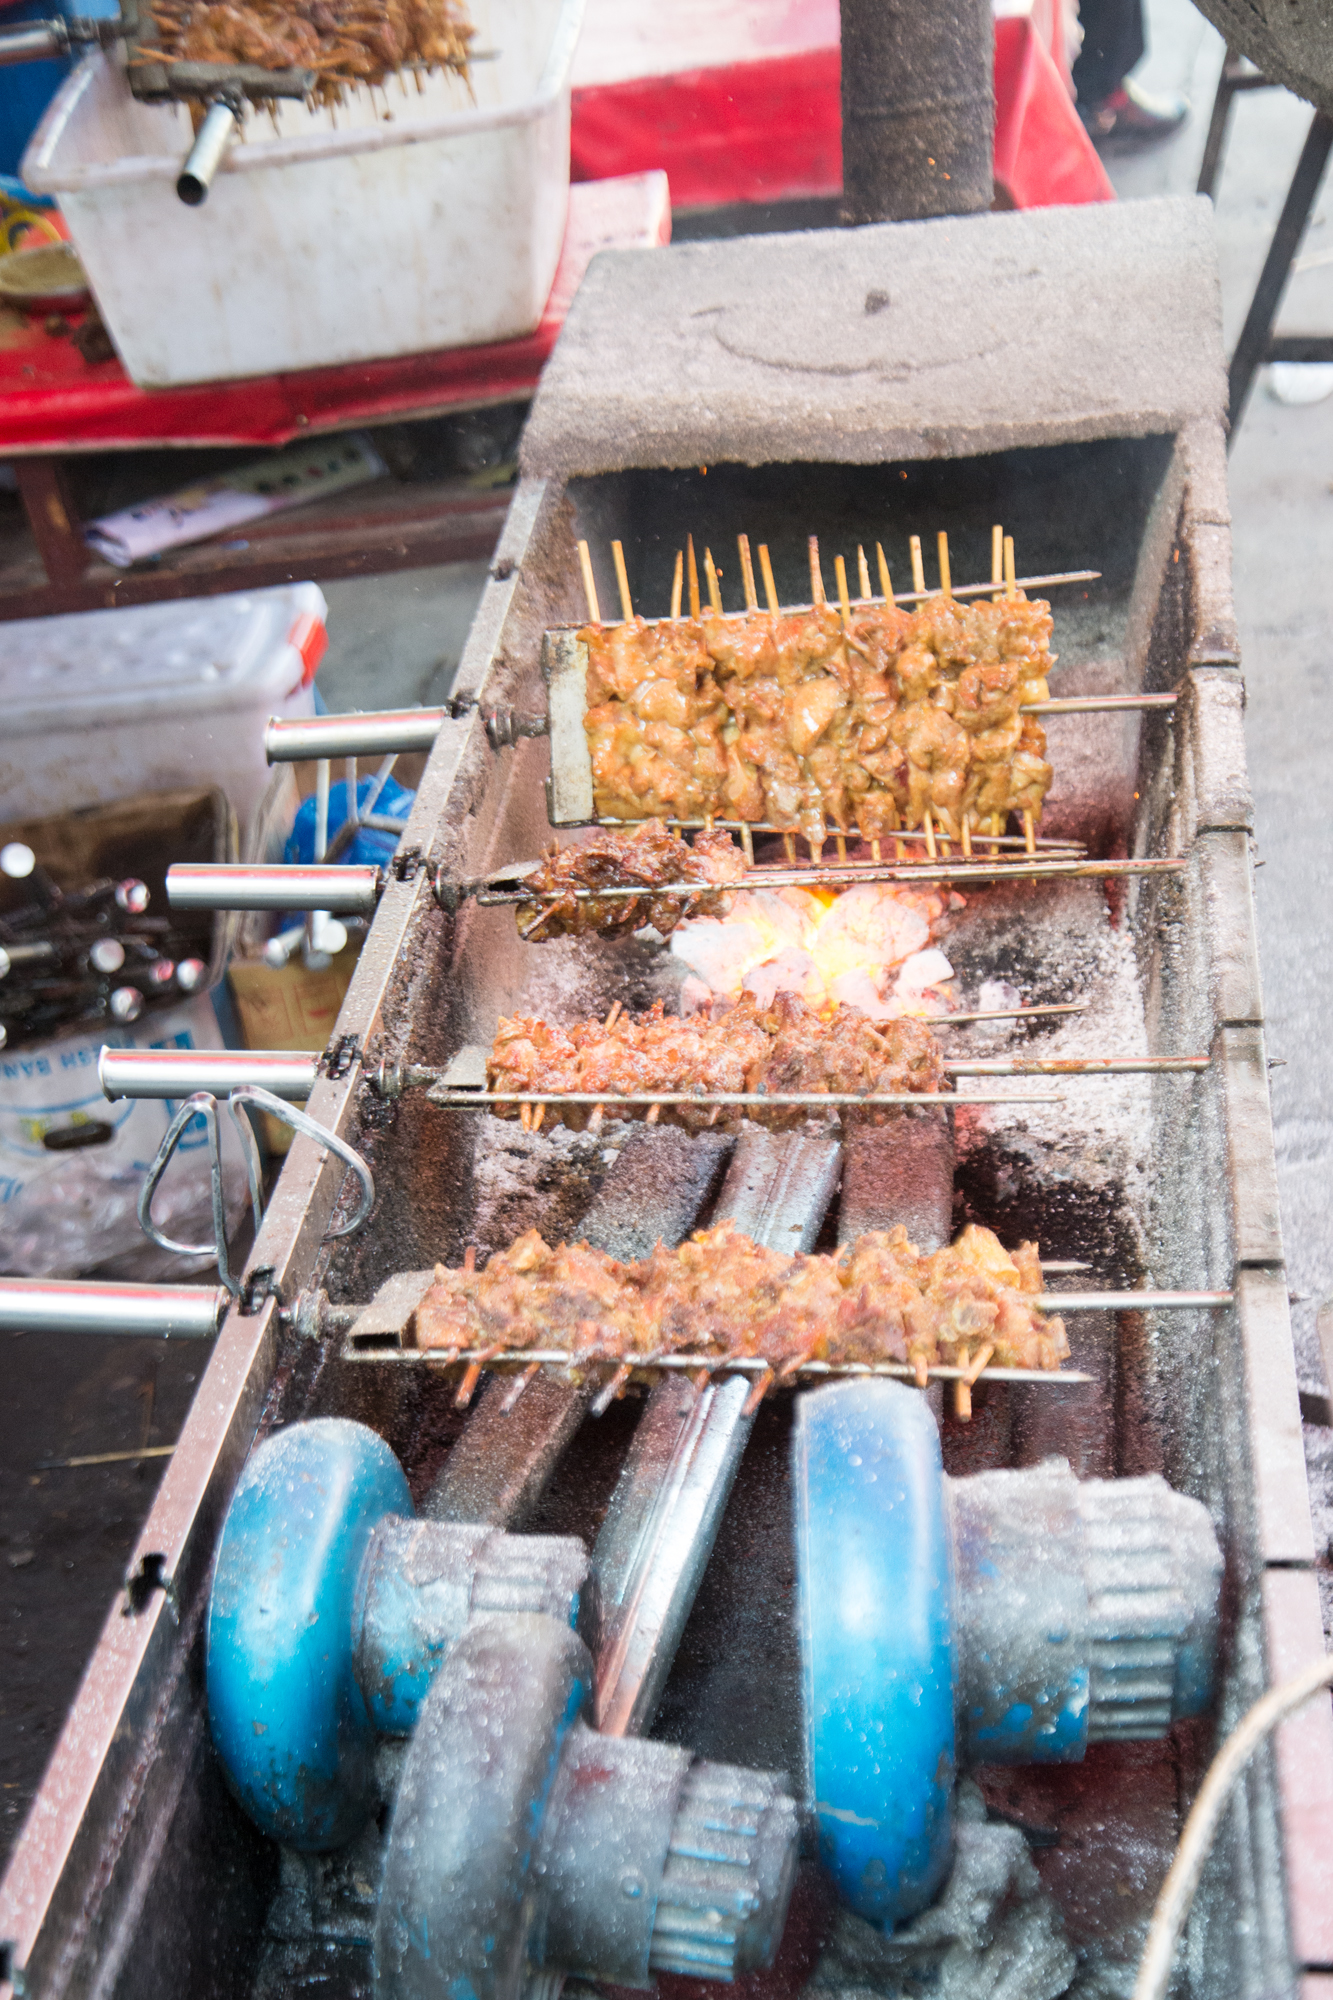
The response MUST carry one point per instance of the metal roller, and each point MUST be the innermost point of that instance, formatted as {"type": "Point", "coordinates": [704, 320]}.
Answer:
{"type": "Point", "coordinates": [226, 885]}
{"type": "Point", "coordinates": [178, 1073]}
{"type": "Point", "coordinates": [361, 734]}
{"type": "Point", "coordinates": [64, 1305]}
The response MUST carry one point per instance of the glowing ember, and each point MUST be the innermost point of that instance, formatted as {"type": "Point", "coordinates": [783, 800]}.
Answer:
{"type": "Point", "coordinates": [869, 948]}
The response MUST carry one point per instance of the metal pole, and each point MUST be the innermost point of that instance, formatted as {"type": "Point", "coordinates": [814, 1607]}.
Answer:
{"type": "Point", "coordinates": [1252, 347]}
{"type": "Point", "coordinates": [178, 1073]}
{"type": "Point", "coordinates": [228, 885]}
{"type": "Point", "coordinates": [918, 109]}
{"type": "Point", "coordinates": [370, 735]}
{"type": "Point", "coordinates": [167, 1312]}
{"type": "Point", "coordinates": [221, 123]}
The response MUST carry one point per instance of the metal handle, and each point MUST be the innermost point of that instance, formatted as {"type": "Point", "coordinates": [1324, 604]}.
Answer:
{"type": "Point", "coordinates": [176, 1073]}
{"type": "Point", "coordinates": [33, 42]}
{"type": "Point", "coordinates": [221, 123]}
{"type": "Point", "coordinates": [55, 1305]}
{"type": "Point", "coordinates": [367, 734]}
{"type": "Point", "coordinates": [225, 885]}
{"type": "Point", "coordinates": [202, 1104]}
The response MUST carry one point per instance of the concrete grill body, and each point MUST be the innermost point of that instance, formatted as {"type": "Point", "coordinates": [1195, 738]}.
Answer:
{"type": "Point", "coordinates": [1059, 372]}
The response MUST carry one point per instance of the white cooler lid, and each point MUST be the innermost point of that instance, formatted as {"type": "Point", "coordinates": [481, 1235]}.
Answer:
{"type": "Point", "coordinates": [192, 656]}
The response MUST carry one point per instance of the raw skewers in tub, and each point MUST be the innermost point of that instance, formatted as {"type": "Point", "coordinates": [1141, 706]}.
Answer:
{"type": "Point", "coordinates": [344, 43]}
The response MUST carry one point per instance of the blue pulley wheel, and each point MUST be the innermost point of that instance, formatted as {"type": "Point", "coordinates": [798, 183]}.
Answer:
{"type": "Point", "coordinates": [876, 1619]}
{"type": "Point", "coordinates": [288, 1718]}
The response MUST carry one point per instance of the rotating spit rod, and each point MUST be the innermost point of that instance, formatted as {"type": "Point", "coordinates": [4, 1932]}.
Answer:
{"type": "Point", "coordinates": [179, 1073]}
{"type": "Point", "coordinates": [222, 121]}
{"type": "Point", "coordinates": [59, 1305]}
{"type": "Point", "coordinates": [226, 885]}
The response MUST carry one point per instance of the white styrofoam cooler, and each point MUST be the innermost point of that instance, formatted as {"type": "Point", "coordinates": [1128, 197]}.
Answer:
{"type": "Point", "coordinates": [102, 704]}
{"type": "Point", "coordinates": [402, 221]}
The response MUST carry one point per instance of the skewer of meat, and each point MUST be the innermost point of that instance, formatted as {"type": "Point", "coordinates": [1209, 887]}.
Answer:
{"type": "Point", "coordinates": [722, 1297]}
{"type": "Point", "coordinates": [782, 1047]}
{"type": "Point", "coordinates": [649, 856]}
{"type": "Point", "coordinates": [865, 715]}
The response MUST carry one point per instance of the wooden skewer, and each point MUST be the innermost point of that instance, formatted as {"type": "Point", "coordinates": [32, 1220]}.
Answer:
{"type": "Point", "coordinates": [1029, 833]}
{"type": "Point", "coordinates": [862, 571]}
{"type": "Point", "coordinates": [921, 1369]}
{"type": "Point", "coordinates": [622, 579]}
{"type": "Point", "coordinates": [946, 577]}
{"type": "Point", "coordinates": [816, 574]}
{"type": "Point", "coordinates": [766, 570]}
{"type": "Point", "coordinates": [918, 567]}
{"type": "Point", "coordinates": [538, 1114]}
{"type": "Point", "coordinates": [747, 846]}
{"type": "Point", "coordinates": [962, 1400]}
{"type": "Point", "coordinates": [589, 586]}
{"type": "Point", "coordinates": [978, 1361]}
{"type": "Point", "coordinates": [997, 555]}
{"type": "Point", "coordinates": [693, 575]}
{"type": "Point", "coordinates": [469, 1258]}
{"type": "Point", "coordinates": [714, 589]}
{"type": "Point", "coordinates": [885, 580]}
{"type": "Point", "coordinates": [467, 1388]}
{"type": "Point", "coordinates": [597, 1115]}
{"type": "Point", "coordinates": [747, 573]}
{"type": "Point", "coordinates": [840, 842]}
{"type": "Point", "coordinates": [967, 836]}
{"type": "Point", "coordinates": [603, 1400]}
{"type": "Point", "coordinates": [1010, 573]}
{"type": "Point", "coordinates": [762, 1384]}
{"type": "Point", "coordinates": [654, 1113]}
{"type": "Point", "coordinates": [789, 847]}
{"type": "Point", "coordinates": [525, 1116]}
{"type": "Point", "coordinates": [840, 571]}
{"type": "Point", "coordinates": [677, 584]}
{"type": "Point", "coordinates": [874, 850]}
{"type": "Point", "coordinates": [929, 827]}
{"type": "Point", "coordinates": [511, 1396]}
{"type": "Point", "coordinates": [613, 1016]}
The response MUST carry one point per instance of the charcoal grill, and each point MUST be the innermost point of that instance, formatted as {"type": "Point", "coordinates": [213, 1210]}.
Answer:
{"type": "Point", "coordinates": [1060, 372]}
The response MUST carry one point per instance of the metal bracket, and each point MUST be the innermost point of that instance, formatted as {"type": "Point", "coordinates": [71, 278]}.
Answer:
{"type": "Point", "coordinates": [203, 1104]}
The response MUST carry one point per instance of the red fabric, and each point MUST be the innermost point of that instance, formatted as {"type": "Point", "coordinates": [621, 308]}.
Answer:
{"type": "Point", "coordinates": [51, 400]}
{"type": "Point", "coordinates": [1043, 156]}
{"type": "Point", "coordinates": [768, 130]}
{"type": "Point", "coordinates": [771, 129]}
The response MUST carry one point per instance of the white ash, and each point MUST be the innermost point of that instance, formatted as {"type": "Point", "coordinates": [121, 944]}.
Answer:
{"type": "Point", "coordinates": [1099, 1133]}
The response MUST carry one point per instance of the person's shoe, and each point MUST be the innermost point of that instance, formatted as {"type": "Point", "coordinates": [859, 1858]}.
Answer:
{"type": "Point", "coordinates": [1132, 116]}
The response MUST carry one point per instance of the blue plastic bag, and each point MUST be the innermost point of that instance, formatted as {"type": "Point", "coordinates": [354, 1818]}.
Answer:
{"type": "Point", "coordinates": [368, 849]}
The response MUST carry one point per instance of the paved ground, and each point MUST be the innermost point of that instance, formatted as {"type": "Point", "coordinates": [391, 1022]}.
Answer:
{"type": "Point", "coordinates": [64, 1534]}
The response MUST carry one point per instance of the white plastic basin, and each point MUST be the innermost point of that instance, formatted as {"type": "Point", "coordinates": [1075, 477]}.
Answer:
{"type": "Point", "coordinates": [403, 221]}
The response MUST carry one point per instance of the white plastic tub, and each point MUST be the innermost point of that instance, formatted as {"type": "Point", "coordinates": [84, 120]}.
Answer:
{"type": "Point", "coordinates": [401, 222]}
{"type": "Point", "coordinates": [99, 705]}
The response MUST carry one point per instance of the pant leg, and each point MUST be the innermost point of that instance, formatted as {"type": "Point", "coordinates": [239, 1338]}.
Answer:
{"type": "Point", "coordinates": [1113, 41]}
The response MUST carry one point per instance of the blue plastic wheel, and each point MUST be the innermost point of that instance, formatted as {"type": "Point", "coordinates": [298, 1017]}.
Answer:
{"type": "Point", "coordinates": [287, 1716]}
{"type": "Point", "coordinates": [875, 1585]}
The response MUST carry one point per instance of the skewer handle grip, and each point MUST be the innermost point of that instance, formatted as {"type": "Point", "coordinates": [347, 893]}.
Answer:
{"type": "Point", "coordinates": [167, 1312]}
{"type": "Point", "coordinates": [206, 154]}
{"type": "Point", "coordinates": [33, 42]}
{"type": "Point", "coordinates": [178, 1073]}
{"type": "Point", "coordinates": [372, 734]}
{"type": "Point", "coordinates": [236, 886]}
